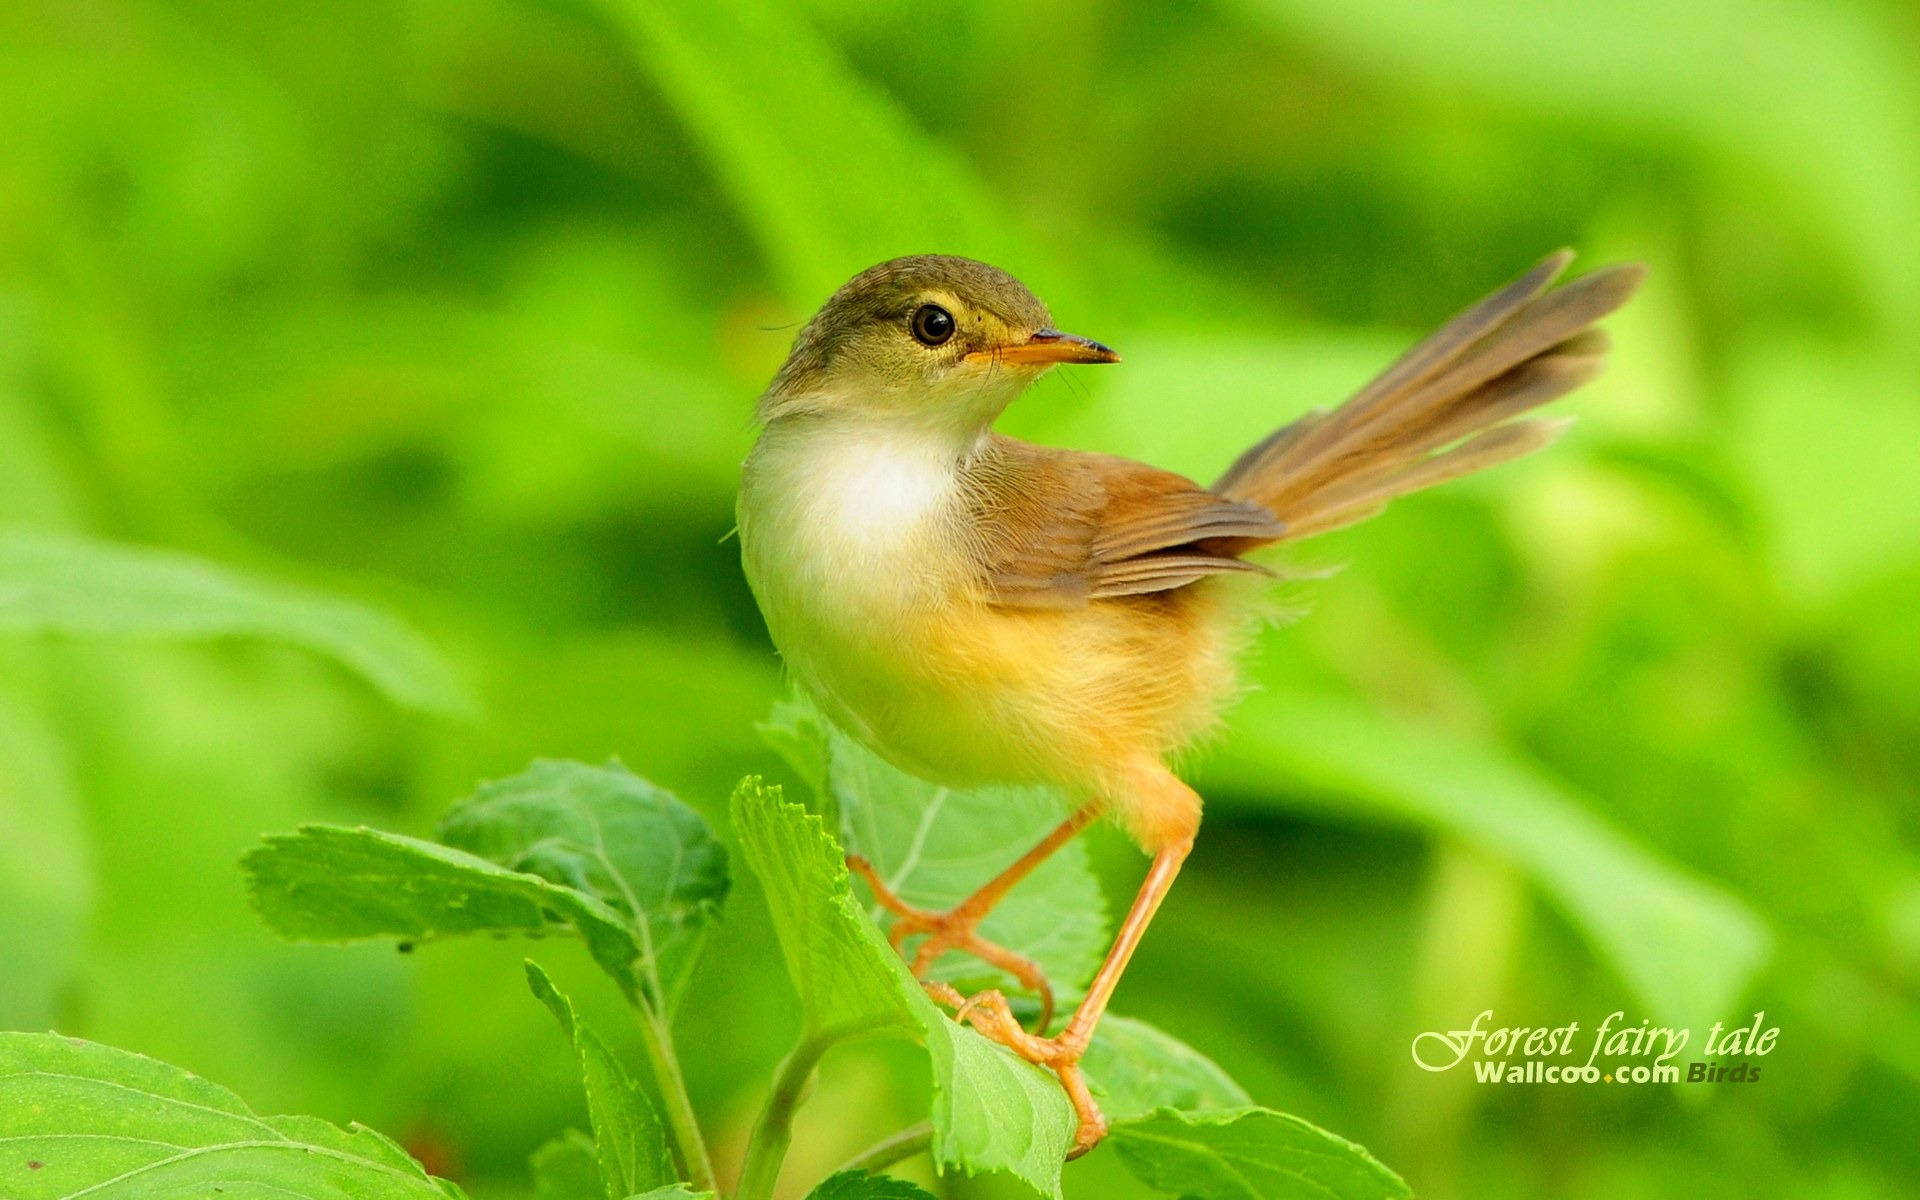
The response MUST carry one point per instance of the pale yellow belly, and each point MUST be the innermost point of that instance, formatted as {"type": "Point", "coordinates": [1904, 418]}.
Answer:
{"type": "Point", "coordinates": [975, 694]}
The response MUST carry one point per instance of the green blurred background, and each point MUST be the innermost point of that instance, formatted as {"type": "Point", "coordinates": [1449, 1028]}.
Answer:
{"type": "Point", "coordinates": [459, 308]}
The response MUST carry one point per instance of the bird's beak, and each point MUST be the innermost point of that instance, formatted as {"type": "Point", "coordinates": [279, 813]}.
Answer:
{"type": "Point", "coordinates": [1049, 346]}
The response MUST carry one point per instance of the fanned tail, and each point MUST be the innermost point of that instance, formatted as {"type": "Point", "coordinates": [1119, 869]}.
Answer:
{"type": "Point", "coordinates": [1445, 409]}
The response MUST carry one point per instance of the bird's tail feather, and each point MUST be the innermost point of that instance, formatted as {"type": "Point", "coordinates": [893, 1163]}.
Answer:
{"type": "Point", "coordinates": [1445, 409]}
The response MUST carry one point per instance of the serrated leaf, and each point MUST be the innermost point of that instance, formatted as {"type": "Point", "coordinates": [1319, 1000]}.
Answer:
{"type": "Point", "coordinates": [1687, 947]}
{"type": "Point", "coordinates": [597, 845]}
{"type": "Point", "coordinates": [75, 586]}
{"type": "Point", "coordinates": [329, 883]}
{"type": "Point", "coordinates": [614, 836]}
{"type": "Point", "coordinates": [629, 1144]}
{"type": "Point", "coordinates": [846, 986]}
{"type": "Point", "coordinates": [1250, 1154]}
{"type": "Point", "coordinates": [80, 1117]}
{"type": "Point", "coordinates": [799, 734]}
{"type": "Point", "coordinates": [1135, 1068]}
{"type": "Point", "coordinates": [935, 846]}
{"type": "Point", "coordinates": [867, 1185]}
{"type": "Point", "coordinates": [567, 1168]}
{"type": "Point", "coordinates": [992, 1112]}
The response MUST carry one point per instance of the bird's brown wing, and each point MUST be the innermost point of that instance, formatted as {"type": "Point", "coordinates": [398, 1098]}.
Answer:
{"type": "Point", "coordinates": [1060, 529]}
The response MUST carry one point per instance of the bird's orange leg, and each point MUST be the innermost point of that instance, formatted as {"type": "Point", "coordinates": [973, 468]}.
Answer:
{"type": "Point", "coordinates": [988, 1011]}
{"type": "Point", "coordinates": [954, 928]}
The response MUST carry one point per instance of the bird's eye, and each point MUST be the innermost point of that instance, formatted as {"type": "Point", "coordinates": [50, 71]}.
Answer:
{"type": "Point", "coordinates": [932, 325]}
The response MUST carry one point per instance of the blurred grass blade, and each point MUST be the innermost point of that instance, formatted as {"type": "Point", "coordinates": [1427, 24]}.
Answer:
{"type": "Point", "coordinates": [1834, 483]}
{"type": "Point", "coordinates": [1253, 1154]}
{"type": "Point", "coordinates": [935, 846]}
{"type": "Point", "coordinates": [1712, 72]}
{"type": "Point", "coordinates": [75, 586]}
{"type": "Point", "coordinates": [47, 879]}
{"type": "Point", "coordinates": [1687, 948]}
{"type": "Point", "coordinates": [826, 170]}
{"type": "Point", "coordinates": [609, 833]}
{"type": "Point", "coordinates": [992, 1112]}
{"type": "Point", "coordinates": [629, 1143]}
{"type": "Point", "coordinates": [82, 1118]}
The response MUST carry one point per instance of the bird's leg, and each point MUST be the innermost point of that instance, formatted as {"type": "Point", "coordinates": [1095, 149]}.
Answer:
{"type": "Point", "coordinates": [954, 928]}
{"type": "Point", "coordinates": [988, 1011]}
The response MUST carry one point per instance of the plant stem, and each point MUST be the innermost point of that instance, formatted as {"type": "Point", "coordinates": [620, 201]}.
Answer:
{"type": "Point", "coordinates": [891, 1149]}
{"type": "Point", "coordinates": [773, 1132]}
{"type": "Point", "coordinates": [657, 1036]}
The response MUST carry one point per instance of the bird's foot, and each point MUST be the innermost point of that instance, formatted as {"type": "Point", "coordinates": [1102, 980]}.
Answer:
{"type": "Point", "coordinates": [989, 1013]}
{"type": "Point", "coordinates": [952, 930]}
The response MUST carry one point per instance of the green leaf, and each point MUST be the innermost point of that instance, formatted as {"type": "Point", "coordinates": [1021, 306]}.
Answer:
{"type": "Point", "coordinates": [630, 1145]}
{"type": "Point", "coordinates": [992, 1112]}
{"type": "Point", "coordinates": [73, 586]}
{"type": "Point", "coordinates": [327, 883]}
{"type": "Point", "coordinates": [612, 835]}
{"type": "Point", "coordinates": [567, 1168]}
{"type": "Point", "coordinates": [848, 979]}
{"type": "Point", "coordinates": [1686, 947]}
{"type": "Point", "coordinates": [1251, 1154]}
{"type": "Point", "coordinates": [80, 1117]}
{"type": "Point", "coordinates": [867, 1185]}
{"type": "Point", "coordinates": [800, 734]}
{"type": "Point", "coordinates": [597, 850]}
{"type": "Point", "coordinates": [935, 846]}
{"type": "Point", "coordinates": [827, 172]}
{"type": "Point", "coordinates": [676, 1191]}
{"type": "Point", "coordinates": [1134, 1068]}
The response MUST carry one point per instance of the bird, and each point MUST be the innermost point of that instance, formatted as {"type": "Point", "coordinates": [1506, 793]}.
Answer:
{"type": "Point", "coordinates": [980, 610]}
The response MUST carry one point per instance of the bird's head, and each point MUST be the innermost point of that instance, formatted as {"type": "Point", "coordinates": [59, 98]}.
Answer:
{"type": "Point", "coordinates": [930, 338]}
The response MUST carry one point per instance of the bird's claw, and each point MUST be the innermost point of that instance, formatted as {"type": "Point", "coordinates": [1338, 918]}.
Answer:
{"type": "Point", "coordinates": [951, 930]}
{"type": "Point", "coordinates": [988, 1011]}
{"type": "Point", "coordinates": [990, 1015]}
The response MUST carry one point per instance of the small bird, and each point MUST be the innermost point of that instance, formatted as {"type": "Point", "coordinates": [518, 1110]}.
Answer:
{"type": "Point", "coordinates": [979, 610]}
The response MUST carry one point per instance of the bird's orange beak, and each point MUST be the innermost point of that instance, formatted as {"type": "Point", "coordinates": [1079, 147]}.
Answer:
{"type": "Point", "coordinates": [1049, 346]}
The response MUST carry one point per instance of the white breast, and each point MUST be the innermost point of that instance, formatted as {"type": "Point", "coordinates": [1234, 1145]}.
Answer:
{"type": "Point", "coordinates": [846, 531]}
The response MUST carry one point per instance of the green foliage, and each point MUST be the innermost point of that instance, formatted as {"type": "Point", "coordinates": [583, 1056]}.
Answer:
{"type": "Point", "coordinates": [1250, 1155]}
{"type": "Point", "coordinates": [46, 876]}
{"type": "Point", "coordinates": [1686, 947]}
{"type": "Point", "coordinates": [826, 171]}
{"type": "Point", "coordinates": [328, 884]}
{"type": "Point", "coordinates": [464, 306]}
{"type": "Point", "coordinates": [864, 1185]}
{"type": "Point", "coordinates": [630, 1147]}
{"type": "Point", "coordinates": [933, 846]}
{"type": "Point", "coordinates": [1134, 1069]}
{"type": "Point", "coordinates": [71, 586]}
{"type": "Point", "coordinates": [567, 1168]}
{"type": "Point", "coordinates": [607, 833]}
{"type": "Point", "coordinates": [81, 1118]}
{"type": "Point", "coordinates": [624, 864]}
{"type": "Point", "coordinates": [992, 1112]}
